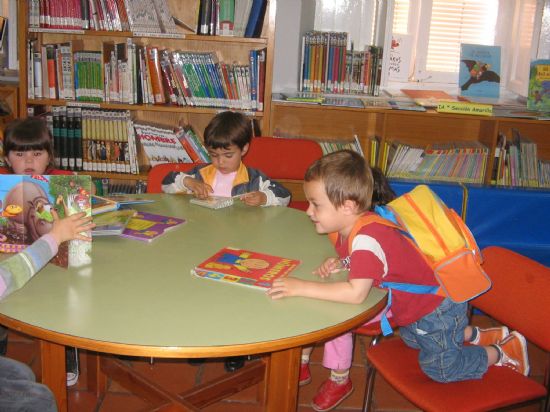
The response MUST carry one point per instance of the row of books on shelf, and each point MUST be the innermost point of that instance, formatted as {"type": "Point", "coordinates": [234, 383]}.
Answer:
{"type": "Point", "coordinates": [516, 163]}
{"type": "Point", "coordinates": [130, 73]}
{"type": "Point", "coordinates": [110, 141]}
{"type": "Point", "coordinates": [460, 161]}
{"type": "Point", "coordinates": [327, 65]}
{"type": "Point", "coordinates": [241, 18]}
{"type": "Point", "coordinates": [138, 16]}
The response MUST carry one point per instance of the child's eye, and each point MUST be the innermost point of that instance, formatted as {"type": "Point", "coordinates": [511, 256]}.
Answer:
{"type": "Point", "coordinates": [38, 153]}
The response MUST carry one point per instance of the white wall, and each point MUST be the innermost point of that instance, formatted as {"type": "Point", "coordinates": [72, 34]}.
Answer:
{"type": "Point", "coordinates": [294, 18]}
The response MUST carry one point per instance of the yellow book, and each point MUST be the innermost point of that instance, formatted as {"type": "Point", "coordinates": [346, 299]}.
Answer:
{"type": "Point", "coordinates": [478, 109]}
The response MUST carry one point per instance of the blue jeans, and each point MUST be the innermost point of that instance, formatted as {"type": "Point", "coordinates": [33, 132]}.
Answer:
{"type": "Point", "coordinates": [19, 391]}
{"type": "Point", "coordinates": [440, 338]}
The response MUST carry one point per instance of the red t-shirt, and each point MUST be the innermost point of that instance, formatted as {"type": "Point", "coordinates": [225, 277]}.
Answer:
{"type": "Point", "coordinates": [381, 253]}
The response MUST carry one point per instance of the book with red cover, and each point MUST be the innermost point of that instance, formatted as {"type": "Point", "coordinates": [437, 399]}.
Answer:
{"type": "Point", "coordinates": [149, 226]}
{"type": "Point", "coordinates": [245, 268]}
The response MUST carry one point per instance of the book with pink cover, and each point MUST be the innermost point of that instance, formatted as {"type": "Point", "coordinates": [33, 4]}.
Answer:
{"type": "Point", "coordinates": [149, 226]}
{"type": "Point", "coordinates": [245, 268]}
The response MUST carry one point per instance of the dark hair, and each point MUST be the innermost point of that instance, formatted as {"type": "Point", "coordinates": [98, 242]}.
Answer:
{"type": "Point", "coordinates": [227, 128]}
{"type": "Point", "coordinates": [23, 135]}
{"type": "Point", "coordinates": [346, 176]}
{"type": "Point", "coordinates": [382, 193]}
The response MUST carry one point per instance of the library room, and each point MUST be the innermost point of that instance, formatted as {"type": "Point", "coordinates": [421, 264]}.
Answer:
{"type": "Point", "coordinates": [198, 200]}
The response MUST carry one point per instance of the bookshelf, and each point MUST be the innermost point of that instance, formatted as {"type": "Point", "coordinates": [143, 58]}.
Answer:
{"type": "Point", "coordinates": [227, 49]}
{"type": "Point", "coordinates": [415, 128]}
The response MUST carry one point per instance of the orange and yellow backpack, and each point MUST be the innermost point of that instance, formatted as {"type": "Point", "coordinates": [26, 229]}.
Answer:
{"type": "Point", "coordinates": [441, 236]}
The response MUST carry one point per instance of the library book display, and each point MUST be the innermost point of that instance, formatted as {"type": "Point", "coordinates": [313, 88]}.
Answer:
{"type": "Point", "coordinates": [140, 299]}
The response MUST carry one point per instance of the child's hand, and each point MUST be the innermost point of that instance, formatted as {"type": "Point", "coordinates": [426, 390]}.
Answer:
{"type": "Point", "coordinates": [199, 189]}
{"type": "Point", "coordinates": [331, 265]}
{"type": "Point", "coordinates": [285, 287]}
{"type": "Point", "coordinates": [254, 198]}
{"type": "Point", "coordinates": [71, 227]}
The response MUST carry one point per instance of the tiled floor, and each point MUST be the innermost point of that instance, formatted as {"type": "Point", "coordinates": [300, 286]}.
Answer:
{"type": "Point", "coordinates": [178, 376]}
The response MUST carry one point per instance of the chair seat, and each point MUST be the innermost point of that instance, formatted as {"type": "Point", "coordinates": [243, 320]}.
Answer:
{"type": "Point", "coordinates": [500, 386]}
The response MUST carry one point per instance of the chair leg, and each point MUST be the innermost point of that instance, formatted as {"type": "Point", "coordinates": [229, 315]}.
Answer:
{"type": "Point", "coordinates": [371, 375]}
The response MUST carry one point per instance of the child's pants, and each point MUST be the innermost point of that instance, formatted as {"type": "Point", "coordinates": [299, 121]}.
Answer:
{"type": "Point", "coordinates": [440, 338]}
{"type": "Point", "coordinates": [338, 352]}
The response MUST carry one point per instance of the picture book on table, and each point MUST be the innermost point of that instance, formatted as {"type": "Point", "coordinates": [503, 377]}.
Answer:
{"type": "Point", "coordinates": [112, 223]}
{"type": "Point", "coordinates": [479, 71]}
{"type": "Point", "coordinates": [102, 204]}
{"type": "Point", "coordinates": [27, 203]}
{"type": "Point", "coordinates": [213, 202]}
{"type": "Point", "coordinates": [245, 267]}
{"type": "Point", "coordinates": [538, 92]}
{"type": "Point", "coordinates": [149, 226]}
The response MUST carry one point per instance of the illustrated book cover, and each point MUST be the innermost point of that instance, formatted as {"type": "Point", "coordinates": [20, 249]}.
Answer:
{"type": "Point", "coordinates": [479, 71]}
{"type": "Point", "coordinates": [538, 92]}
{"type": "Point", "coordinates": [245, 268]}
{"type": "Point", "coordinates": [149, 226]}
{"type": "Point", "coordinates": [102, 204]}
{"type": "Point", "coordinates": [26, 204]}
{"type": "Point", "coordinates": [112, 223]}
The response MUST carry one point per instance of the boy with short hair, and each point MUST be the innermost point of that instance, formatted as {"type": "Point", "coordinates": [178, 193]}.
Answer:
{"type": "Point", "coordinates": [339, 190]}
{"type": "Point", "coordinates": [227, 139]}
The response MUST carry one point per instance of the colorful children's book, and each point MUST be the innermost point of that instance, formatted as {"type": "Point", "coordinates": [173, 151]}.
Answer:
{"type": "Point", "coordinates": [149, 226]}
{"type": "Point", "coordinates": [479, 72]}
{"type": "Point", "coordinates": [538, 92]}
{"type": "Point", "coordinates": [213, 202]}
{"type": "Point", "coordinates": [26, 204]}
{"type": "Point", "coordinates": [112, 223]}
{"type": "Point", "coordinates": [245, 268]}
{"type": "Point", "coordinates": [102, 204]}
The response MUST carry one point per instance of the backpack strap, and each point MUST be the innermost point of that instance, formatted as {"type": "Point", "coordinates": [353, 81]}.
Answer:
{"type": "Point", "coordinates": [404, 287]}
{"type": "Point", "coordinates": [363, 220]}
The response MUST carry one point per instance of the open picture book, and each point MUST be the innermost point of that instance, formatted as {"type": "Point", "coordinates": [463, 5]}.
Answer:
{"type": "Point", "coordinates": [27, 203]}
{"type": "Point", "coordinates": [245, 268]}
{"type": "Point", "coordinates": [103, 204]}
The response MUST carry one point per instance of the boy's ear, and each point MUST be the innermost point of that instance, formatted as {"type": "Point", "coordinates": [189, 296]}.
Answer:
{"type": "Point", "coordinates": [245, 149]}
{"type": "Point", "coordinates": [350, 207]}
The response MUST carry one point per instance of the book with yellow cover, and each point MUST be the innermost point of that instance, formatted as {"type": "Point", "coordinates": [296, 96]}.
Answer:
{"type": "Point", "coordinates": [245, 268]}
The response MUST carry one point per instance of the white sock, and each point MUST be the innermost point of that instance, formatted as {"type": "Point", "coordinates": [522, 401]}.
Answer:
{"type": "Point", "coordinates": [339, 378]}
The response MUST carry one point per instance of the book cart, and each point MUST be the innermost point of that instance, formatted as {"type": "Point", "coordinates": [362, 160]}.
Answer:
{"type": "Point", "coordinates": [414, 128]}
{"type": "Point", "coordinates": [228, 49]}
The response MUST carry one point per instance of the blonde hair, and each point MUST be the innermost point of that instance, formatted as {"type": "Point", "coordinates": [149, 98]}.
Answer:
{"type": "Point", "coordinates": [346, 176]}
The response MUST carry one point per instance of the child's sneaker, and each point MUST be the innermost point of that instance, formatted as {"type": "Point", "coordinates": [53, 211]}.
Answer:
{"type": "Point", "coordinates": [305, 374]}
{"type": "Point", "coordinates": [490, 336]}
{"type": "Point", "coordinates": [513, 353]}
{"type": "Point", "coordinates": [71, 359]}
{"type": "Point", "coordinates": [331, 394]}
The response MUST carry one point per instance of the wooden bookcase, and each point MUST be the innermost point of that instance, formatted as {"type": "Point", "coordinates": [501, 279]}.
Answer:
{"type": "Point", "coordinates": [229, 49]}
{"type": "Point", "coordinates": [418, 128]}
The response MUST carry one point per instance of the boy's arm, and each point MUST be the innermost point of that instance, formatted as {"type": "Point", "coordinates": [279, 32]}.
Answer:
{"type": "Point", "coordinates": [352, 291]}
{"type": "Point", "coordinates": [277, 194]}
{"type": "Point", "coordinates": [18, 269]}
{"type": "Point", "coordinates": [173, 182]}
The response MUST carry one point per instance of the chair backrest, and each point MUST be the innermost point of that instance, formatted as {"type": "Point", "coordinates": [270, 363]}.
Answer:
{"type": "Point", "coordinates": [281, 158]}
{"type": "Point", "coordinates": [519, 294]}
{"type": "Point", "coordinates": [159, 172]}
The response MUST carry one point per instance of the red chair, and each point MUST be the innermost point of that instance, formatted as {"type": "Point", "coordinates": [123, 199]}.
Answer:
{"type": "Point", "coordinates": [159, 172]}
{"type": "Point", "coordinates": [284, 160]}
{"type": "Point", "coordinates": [517, 299]}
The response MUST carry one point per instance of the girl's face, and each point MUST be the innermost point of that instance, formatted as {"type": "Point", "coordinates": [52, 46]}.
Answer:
{"type": "Point", "coordinates": [227, 160]}
{"type": "Point", "coordinates": [29, 162]}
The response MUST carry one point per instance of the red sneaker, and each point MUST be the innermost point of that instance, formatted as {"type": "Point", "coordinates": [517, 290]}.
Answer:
{"type": "Point", "coordinates": [331, 394]}
{"type": "Point", "coordinates": [305, 374]}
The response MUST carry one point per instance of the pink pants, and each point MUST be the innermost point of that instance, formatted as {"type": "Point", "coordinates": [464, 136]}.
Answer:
{"type": "Point", "coordinates": [338, 352]}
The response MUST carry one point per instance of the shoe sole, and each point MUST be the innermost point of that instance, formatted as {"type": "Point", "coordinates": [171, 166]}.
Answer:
{"type": "Point", "coordinates": [72, 379]}
{"type": "Point", "coordinates": [524, 355]}
{"type": "Point", "coordinates": [317, 409]}
{"type": "Point", "coordinates": [304, 382]}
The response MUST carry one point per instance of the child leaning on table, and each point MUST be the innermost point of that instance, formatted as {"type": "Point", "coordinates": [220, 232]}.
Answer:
{"type": "Point", "coordinates": [339, 189]}
{"type": "Point", "coordinates": [28, 150]}
{"type": "Point", "coordinates": [227, 139]}
{"type": "Point", "coordinates": [18, 388]}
